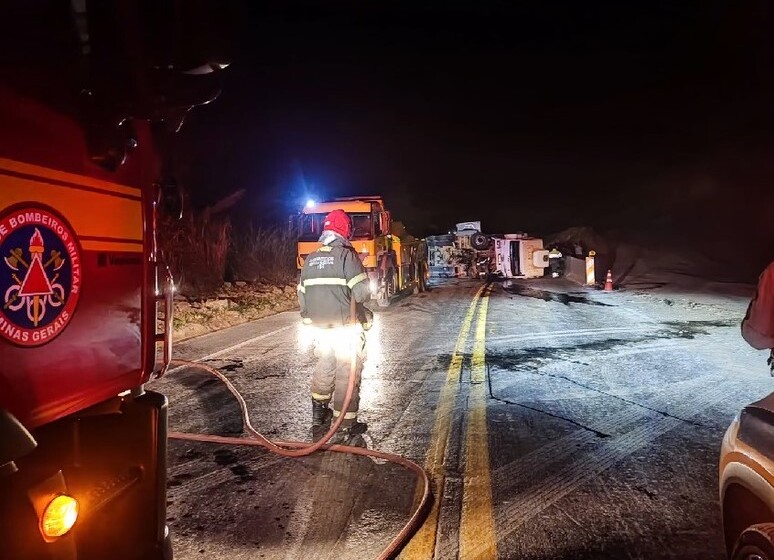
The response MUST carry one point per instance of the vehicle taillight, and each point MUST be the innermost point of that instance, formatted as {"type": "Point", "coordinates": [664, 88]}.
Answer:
{"type": "Point", "coordinates": [60, 515]}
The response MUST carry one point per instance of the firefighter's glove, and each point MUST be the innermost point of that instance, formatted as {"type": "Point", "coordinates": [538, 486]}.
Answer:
{"type": "Point", "coordinates": [366, 318]}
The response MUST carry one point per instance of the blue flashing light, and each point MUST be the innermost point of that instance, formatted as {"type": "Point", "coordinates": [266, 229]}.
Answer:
{"type": "Point", "coordinates": [310, 203]}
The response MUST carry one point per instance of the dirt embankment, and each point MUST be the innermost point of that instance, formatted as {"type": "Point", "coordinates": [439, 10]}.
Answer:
{"type": "Point", "coordinates": [233, 304]}
{"type": "Point", "coordinates": [651, 261]}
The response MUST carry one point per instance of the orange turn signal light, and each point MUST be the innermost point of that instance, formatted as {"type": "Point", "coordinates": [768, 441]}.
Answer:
{"type": "Point", "coordinates": [60, 515]}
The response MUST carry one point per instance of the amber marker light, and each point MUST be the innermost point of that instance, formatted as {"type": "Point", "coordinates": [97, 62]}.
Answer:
{"type": "Point", "coordinates": [60, 515]}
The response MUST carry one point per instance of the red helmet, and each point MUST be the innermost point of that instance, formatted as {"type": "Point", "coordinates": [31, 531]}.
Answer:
{"type": "Point", "coordinates": [338, 221]}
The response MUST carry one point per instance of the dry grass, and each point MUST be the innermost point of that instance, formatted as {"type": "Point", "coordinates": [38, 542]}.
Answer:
{"type": "Point", "coordinates": [196, 249]}
{"type": "Point", "coordinates": [203, 250]}
{"type": "Point", "coordinates": [259, 254]}
{"type": "Point", "coordinates": [234, 305]}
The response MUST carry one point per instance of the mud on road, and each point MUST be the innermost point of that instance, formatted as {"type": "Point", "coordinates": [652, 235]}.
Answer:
{"type": "Point", "coordinates": [555, 422]}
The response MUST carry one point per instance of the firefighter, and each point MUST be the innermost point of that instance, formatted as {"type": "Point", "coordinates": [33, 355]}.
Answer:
{"type": "Point", "coordinates": [333, 288]}
{"type": "Point", "coordinates": [555, 262]}
{"type": "Point", "coordinates": [758, 324]}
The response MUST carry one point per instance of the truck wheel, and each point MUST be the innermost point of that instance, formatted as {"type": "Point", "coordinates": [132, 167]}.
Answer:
{"type": "Point", "coordinates": [479, 241]}
{"type": "Point", "coordinates": [388, 292]}
{"type": "Point", "coordinates": [755, 543]}
{"type": "Point", "coordinates": [419, 279]}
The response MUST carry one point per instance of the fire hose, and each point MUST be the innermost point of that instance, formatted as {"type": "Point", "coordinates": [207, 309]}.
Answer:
{"type": "Point", "coordinates": [301, 449]}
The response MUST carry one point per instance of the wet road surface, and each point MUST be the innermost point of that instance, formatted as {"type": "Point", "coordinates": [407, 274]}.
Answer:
{"type": "Point", "coordinates": [555, 422]}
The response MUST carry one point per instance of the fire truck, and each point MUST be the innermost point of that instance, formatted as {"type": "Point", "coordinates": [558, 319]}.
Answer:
{"type": "Point", "coordinates": [85, 303]}
{"type": "Point", "coordinates": [395, 260]}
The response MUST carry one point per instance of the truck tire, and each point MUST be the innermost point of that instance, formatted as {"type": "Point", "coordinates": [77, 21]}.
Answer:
{"type": "Point", "coordinates": [419, 277]}
{"type": "Point", "coordinates": [479, 241]}
{"type": "Point", "coordinates": [755, 543]}
{"type": "Point", "coordinates": [389, 290]}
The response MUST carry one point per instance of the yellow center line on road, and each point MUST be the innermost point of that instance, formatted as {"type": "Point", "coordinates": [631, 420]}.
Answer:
{"type": "Point", "coordinates": [478, 538]}
{"type": "Point", "coordinates": [422, 545]}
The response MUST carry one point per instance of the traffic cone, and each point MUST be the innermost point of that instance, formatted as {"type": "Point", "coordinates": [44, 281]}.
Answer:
{"type": "Point", "coordinates": [609, 281]}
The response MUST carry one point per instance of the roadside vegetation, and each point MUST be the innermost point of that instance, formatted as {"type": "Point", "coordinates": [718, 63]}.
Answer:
{"type": "Point", "coordinates": [226, 274]}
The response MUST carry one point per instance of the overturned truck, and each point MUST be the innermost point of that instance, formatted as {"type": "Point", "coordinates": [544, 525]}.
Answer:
{"type": "Point", "coordinates": [469, 253]}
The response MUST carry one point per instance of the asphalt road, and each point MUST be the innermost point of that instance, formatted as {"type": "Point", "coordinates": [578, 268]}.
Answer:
{"type": "Point", "coordinates": [556, 422]}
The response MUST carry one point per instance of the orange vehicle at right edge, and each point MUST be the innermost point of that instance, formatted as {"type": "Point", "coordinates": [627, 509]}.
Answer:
{"type": "Point", "coordinates": [746, 474]}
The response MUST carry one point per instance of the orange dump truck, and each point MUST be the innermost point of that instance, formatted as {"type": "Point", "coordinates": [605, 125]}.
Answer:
{"type": "Point", "coordinates": [395, 261]}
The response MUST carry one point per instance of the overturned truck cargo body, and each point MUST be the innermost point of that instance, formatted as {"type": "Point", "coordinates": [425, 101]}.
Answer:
{"type": "Point", "coordinates": [445, 260]}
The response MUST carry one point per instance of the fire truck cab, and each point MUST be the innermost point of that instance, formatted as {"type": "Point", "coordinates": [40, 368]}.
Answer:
{"type": "Point", "coordinates": [85, 303]}
{"type": "Point", "coordinates": [79, 285]}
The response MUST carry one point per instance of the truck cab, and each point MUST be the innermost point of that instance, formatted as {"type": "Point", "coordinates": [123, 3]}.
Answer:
{"type": "Point", "coordinates": [370, 227]}
{"type": "Point", "coordinates": [394, 260]}
{"type": "Point", "coordinates": [519, 256]}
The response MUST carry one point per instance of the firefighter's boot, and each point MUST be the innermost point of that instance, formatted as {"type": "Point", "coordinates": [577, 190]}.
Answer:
{"type": "Point", "coordinates": [350, 433]}
{"type": "Point", "coordinates": [321, 414]}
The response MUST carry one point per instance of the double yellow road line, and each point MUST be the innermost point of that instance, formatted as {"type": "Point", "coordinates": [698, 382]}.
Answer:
{"type": "Point", "coordinates": [477, 537]}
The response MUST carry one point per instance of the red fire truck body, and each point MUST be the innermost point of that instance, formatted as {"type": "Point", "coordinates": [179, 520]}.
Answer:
{"type": "Point", "coordinates": [104, 344]}
{"type": "Point", "coordinates": [80, 285]}
{"type": "Point", "coordinates": [91, 92]}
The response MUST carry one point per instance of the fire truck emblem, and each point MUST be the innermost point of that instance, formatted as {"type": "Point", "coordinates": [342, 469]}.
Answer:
{"type": "Point", "coordinates": [40, 277]}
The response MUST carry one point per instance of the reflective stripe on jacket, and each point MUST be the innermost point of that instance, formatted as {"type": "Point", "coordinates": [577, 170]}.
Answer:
{"type": "Point", "coordinates": [758, 324]}
{"type": "Point", "coordinates": [330, 277]}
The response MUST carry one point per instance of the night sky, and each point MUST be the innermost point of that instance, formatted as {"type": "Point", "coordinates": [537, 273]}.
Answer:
{"type": "Point", "coordinates": [526, 115]}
